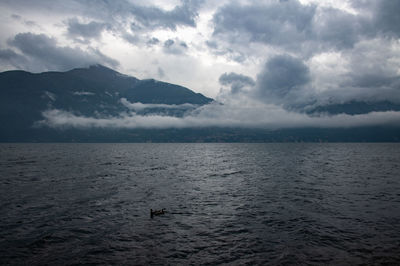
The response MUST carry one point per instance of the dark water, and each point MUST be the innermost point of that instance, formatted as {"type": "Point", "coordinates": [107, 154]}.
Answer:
{"type": "Point", "coordinates": [278, 204]}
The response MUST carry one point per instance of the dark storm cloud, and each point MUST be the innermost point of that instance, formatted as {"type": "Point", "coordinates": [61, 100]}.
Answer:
{"type": "Point", "coordinates": [281, 75]}
{"type": "Point", "coordinates": [89, 30]}
{"type": "Point", "coordinates": [387, 18]}
{"type": "Point", "coordinates": [11, 58]}
{"type": "Point", "coordinates": [278, 23]}
{"type": "Point", "coordinates": [373, 80]}
{"type": "Point", "coordinates": [306, 28]}
{"type": "Point", "coordinates": [7, 54]}
{"type": "Point", "coordinates": [364, 41]}
{"type": "Point", "coordinates": [373, 74]}
{"type": "Point", "coordinates": [236, 81]}
{"type": "Point", "coordinates": [45, 52]}
{"type": "Point", "coordinates": [338, 29]}
{"type": "Point", "coordinates": [381, 19]}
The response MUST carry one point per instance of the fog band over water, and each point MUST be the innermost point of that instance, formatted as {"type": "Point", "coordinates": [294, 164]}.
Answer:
{"type": "Point", "coordinates": [219, 115]}
{"type": "Point", "coordinates": [138, 106]}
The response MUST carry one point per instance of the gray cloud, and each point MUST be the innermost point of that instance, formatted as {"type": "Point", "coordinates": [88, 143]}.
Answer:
{"type": "Point", "coordinates": [176, 47]}
{"type": "Point", "coordinates": [146, 17]}
{"type": "Point", "coordinates": [7, 54]}
{"type": "Point", "coordinates": [89, 30]}
{"type": "Point", "coordinates": [153, 17]}
{"type": "Point", "coordinates": [277, 23]}
{"type": "Point", "coordinates": [131, 38]}
{"type": "Point", "coordinates": [373, 80]}
{"type": "Point", "coordinates": [371, 74]}
{"type": "Point", "coordinates": [29, 23]}
{"type": "Point", "coordinates": [16, 17]}
{"type": "Point", "coordinates": [130, 20]}
{"type": "Point", "coordinates": [215, 115]}
{"type": "Point", "coordinates": [282, 75]}
{"type": "Point", "coordinates": [336, 28]}
{"type": "Point", "coordinates": [137, 106]}
{"type": "Point", "coordinates": [365, 40]}
{"type": "Point", "coordinates": [387, 17]}
{"type": "Point", "coordinates": [153, 41]}
{"type": "Point", "coordinates": [383, 14]}
{"type": "Point", "coordinates": [45, 52]}
{"type": "Point", "coordinates": [234, 55]}
{"type": "Point", "coordinates": [286, 80]}
{"type": "Point", "coordinates": [212, 44]}
{"type": "Point", "coordinates": [160, 73]}
{"type": "Point", "coordinates": [304, 29]}
{"type": "Point", "coordinates": [11, 58]}
{"type": "Point", "coordinates": [236, 81]}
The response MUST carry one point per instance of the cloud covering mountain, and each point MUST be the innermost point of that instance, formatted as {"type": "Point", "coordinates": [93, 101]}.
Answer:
{"type": "Point", "coordinates": [270, 63]}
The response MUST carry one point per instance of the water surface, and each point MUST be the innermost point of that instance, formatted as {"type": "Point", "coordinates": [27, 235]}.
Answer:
{"type": "Point", "coordinates": [275, 204]}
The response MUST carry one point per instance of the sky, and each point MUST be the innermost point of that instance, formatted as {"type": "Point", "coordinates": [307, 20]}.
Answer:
{"type": "Point", "coordinates": [279, 58]}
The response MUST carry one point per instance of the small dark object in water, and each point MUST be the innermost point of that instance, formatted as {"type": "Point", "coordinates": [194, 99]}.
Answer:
{"type": "Point", "coordinates": [156, 212]}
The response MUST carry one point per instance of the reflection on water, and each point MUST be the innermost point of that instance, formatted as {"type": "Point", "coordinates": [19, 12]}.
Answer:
{"type": "Point", "coordinates": [226, 203]}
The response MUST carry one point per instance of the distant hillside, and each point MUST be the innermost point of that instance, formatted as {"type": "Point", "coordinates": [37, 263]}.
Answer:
{"type": "Point", "coordinates": [355, 108]}
{"type": "Point", "coordinates": [92, 91]}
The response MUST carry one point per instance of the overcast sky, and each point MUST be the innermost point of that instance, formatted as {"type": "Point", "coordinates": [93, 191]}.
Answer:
{"type": "Point", "coordinates": [289, 53]}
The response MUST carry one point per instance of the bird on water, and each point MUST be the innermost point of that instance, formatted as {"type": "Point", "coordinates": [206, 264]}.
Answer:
{"type": "Point", "coordinates": [156, 212]}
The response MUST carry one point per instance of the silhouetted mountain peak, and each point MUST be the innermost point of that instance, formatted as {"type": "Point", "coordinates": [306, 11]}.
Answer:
{"type": "Point", "coordinates": [101, 68]}
{"type": "Point", "coordinates": [96, 70]}
{"type": "Point", "coordinates": [93, 91]}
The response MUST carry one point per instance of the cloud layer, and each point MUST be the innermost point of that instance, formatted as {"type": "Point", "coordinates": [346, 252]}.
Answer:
{"type": "Point", "coordinates": [215, 115]}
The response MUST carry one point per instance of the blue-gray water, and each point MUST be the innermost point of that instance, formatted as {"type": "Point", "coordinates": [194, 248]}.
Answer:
{"type": "Point", "coordinates": [277, 204]}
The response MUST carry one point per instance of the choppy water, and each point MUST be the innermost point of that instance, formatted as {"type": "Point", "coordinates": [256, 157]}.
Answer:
{"type": "Point", "coordinates": [277, 204]}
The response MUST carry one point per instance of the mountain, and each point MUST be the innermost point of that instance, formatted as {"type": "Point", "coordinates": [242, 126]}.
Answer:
{"type": "Point", "coordinates": [92, 91]}
{"type": "Point", "coordinates": [355, 108]}
{"type": "Point", "coordinates": [100, 92]}
{"type": "Point", "coordinates": [97, 86]}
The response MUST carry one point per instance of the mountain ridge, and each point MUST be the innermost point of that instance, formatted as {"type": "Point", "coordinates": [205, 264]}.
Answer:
{"type": "Point", "coordinates": [93, 91]}
{"type": "Point", "coordinates": [100, 92]}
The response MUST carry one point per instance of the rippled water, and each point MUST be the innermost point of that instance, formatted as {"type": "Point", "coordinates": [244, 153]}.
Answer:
{"type": "Point", "coordinates": [250, 204]}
